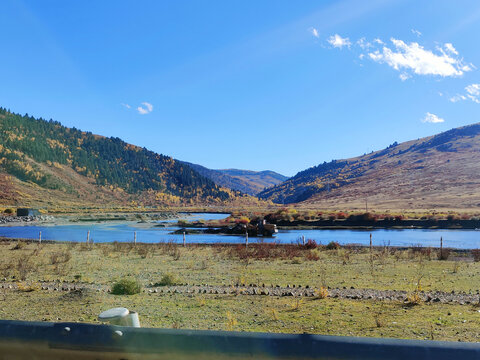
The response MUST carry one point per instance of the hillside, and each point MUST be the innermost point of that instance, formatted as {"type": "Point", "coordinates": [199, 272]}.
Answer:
{"type": "Point", "coordinates": [436, 172]}
{"type": "Point", "coordinates": [246, 181]}
{"type": "Point", "coordinates": [43, 162]}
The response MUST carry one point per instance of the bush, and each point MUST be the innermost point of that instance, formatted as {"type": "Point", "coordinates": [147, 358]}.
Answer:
{"type": "Point", "coordinates": [311, 256]}
{"type": "Point", "coordinates": [167, 280]}
{"type": "Point", "coordinates": [126, 287]}
{"type": "Point", "coordinates": [8, 211]}
{"type": "Point", "coordinates": [60, 257]}
{"type": "Point", "coordinates": [310, 244]}
{"type": "Point", "coordinates": [476, 255]}
{"type": "Point", "coordinates": [443, 254]}
{"type": "Point", "coordinates": [332, 245]}
{"type": "Point", "coordinates": [19, 245]}
{"type": "Point", "coordinates": [321, 293]}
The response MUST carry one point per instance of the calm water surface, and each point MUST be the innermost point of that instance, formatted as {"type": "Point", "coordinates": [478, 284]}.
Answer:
{"type": "Point", "coordinates": [123, 231]}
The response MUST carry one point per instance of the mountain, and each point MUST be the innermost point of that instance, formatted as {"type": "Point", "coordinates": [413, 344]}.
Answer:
{"type": "Point", "coordinates": [436, 172]}
{"type": "Point", "coordinates": [246, 181]}
{"type": "Point", "coordinates": [43, 162]}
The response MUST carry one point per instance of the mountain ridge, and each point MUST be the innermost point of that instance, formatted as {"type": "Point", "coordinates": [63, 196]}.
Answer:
{"type": "Point", "coordinates": [438, 171]}
{"type": "Point", "coordinates": [44, 159]}
{"type": "Point", "coordinates": [247, 181]}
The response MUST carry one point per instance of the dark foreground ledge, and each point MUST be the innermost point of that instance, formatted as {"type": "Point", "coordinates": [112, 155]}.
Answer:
{"type": "Point", "coordinates": [25, 340]}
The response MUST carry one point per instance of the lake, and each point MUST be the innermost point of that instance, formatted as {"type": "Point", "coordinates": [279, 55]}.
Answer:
{"type": "Point", "coordinates": [124, 231]}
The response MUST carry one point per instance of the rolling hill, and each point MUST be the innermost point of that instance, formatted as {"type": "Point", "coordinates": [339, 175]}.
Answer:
{"type": "Point", "coordinates": [45, 163]}
{"type": "Point", "coordinates": [247, 181]}
{"type": "Point", "coordinates": [436, 172]}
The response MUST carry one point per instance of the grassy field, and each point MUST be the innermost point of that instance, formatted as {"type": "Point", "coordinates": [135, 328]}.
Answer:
{"type": "Point", "coordinates": [384, 268]}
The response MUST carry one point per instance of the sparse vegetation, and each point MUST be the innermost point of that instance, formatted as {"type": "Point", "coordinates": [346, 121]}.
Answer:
{"type": "Point", "coordinates": [398, 270]}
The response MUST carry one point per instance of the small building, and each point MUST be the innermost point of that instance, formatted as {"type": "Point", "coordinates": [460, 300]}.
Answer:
{"type": "Point", "coordinates": [27, 212]}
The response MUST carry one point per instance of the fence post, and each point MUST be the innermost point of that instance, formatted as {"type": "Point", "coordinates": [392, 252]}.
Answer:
{"type": "Point", "coordinates": [39, 236]}
{"type": "Point", "coordinates": [303, 240]}
{"type": "Point", "coordinates": [184, 238]}
{"type": "Point", "coordinates": [134, 237]}
{"type": "Point", "coordinates": [441, 248]}
{"type": "Point", "coordinates": [88, 236]}
{"type": "Point", "coordinates": [246, 238]}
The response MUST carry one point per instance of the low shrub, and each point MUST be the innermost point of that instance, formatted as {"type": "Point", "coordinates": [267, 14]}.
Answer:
{"type": "Point", "coordinates": [443, 254]}
{"type": "Point", "coordinates": [310, 244]}
{"type": "Point", "coordinates": [19, 245]}
{"type": "Point", "coordinates": [332, 245]}
{"type": "Point", "coordinates": [167, 280]}
{"type": "Point", "coordinates": [60, 257]}
{"type": "Point", "coordinates": [476, 255]}
{"type": "Point", "coordinates": [321, 293]}
{"type": "Point", "coordinates": [126, 287]}
{"type": "Point", "coordinates": [312, 256]}
{"type": "Point", "coordinates": [414, 299]}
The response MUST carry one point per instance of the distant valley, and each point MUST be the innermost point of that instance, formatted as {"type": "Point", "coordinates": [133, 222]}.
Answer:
{"type": "Point", "coordinates": [247, 181]}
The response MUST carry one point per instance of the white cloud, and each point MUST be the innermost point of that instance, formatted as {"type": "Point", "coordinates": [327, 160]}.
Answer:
{"type": "Point", "coordinates": [338, 42]}
{"type": "Point", "coordinates": [314, 32]}
{"type": "Point", "coordinates": [126, 105]}
{"type": "Point", "coordinates": [378, 41]}
{"type": "Point", "coordinates": [416, 32]}
{"type": "Point", "coordinates": [432, 118]}
{"type": "Point", "coordinates": [449, 47]}
{"type": "Point", "coordinates": [404, 76]}
{"type": "Point", "coordinates": [413, 57]}
{"type": "Point", "coordinates": [145, 109]}
{"type": "Point", "coordinates": [364, 44]}
{"type": "Point", "coordinates": [472, 92]}
{"type": "Point", "coordinates": [457, 97]}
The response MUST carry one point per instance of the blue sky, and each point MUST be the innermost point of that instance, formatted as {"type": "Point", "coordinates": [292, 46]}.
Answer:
{"type": "Point", "coordinates": [279, 85]}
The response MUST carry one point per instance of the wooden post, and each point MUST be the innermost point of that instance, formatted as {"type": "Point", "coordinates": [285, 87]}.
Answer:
{"type": "Point", "coordinates": [303, 240]}
{"type": "Point", "coordinates": [135, 237]}
{"type": "Point", "coordinates": [88, 236]}
{"type": "Point", "coordinates": [184, 238]}
{"type": "Point", "coordinates": [39, 236]}
{"type": "Point", "coordinates": [371, 248]}
{"type": "Point", "coordinates": [441, 248]}
{"type": "Point", "coordinates": [246, 238]}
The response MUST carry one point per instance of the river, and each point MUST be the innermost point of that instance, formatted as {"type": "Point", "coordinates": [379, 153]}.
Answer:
{"type": "Point", "coordinates": [146, 232]}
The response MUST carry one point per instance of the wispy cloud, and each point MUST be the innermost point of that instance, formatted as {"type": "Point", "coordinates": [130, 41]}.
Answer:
{"type": "Point", "coordinates": [364, 44]}
{"type": "Point", "coordinates": [472, 92]}
{"type": "Point", "coordinates": [314, 32]}
{"type": "Point", "coordinates": [408, 58]}
{"type": "Point", "coordinates": [415, 58]}
{"type": "Point", "coordinates": [146, 108]}
{"type": "Point", "coordinates": [339, 42]}
{"type": "Point", "coordinates": [449, 47]}
{"type": "Point", "coordinates": [126, 105]}
{"type": "Point", "coordinates": [432, 118]}
{"type": "Point", "coordinates": [416, 32]}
